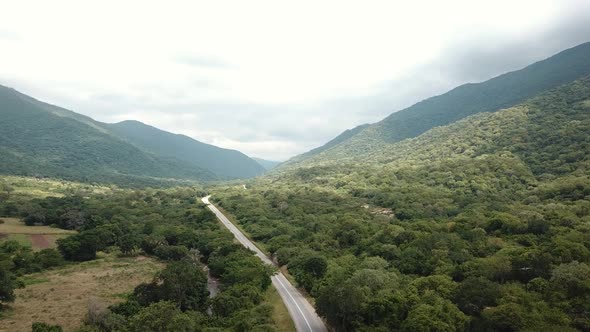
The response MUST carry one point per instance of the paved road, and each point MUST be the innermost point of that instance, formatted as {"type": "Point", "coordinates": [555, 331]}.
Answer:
{"type": "Point", "coordinates": [301, 311]}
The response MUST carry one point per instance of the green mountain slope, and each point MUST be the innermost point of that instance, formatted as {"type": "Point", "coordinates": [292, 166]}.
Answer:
{"type": "Point", "coordinates": [343, 137]}
{"type": "Point", "coordinates": [45, 140]}
{"type": "Point", "coordinates": [225, 163]}
{"type": "Point", "coordinates": [481, 225]}
{"type": "Point", "coordinates": [500, 92]}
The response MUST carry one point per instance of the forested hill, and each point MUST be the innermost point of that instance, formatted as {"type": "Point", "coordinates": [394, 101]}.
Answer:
{"type": "Point", "coordinates": [500, 92]}
{"type": "Point", "coordinates": [39, 139]}
{"type": "Point", "coordinates": [482, 225]}
{"type": "Point", "coordinates": [227, 164]}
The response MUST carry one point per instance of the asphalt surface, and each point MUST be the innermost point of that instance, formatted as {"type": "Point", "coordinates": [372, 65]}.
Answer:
{"type": "Point", "coordinates": [302, 312]}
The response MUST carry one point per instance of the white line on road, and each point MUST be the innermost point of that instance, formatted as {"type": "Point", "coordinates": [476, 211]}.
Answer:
{"type": "Point", "coordinates": [297, 305]}
{"type": "Point", "coordinates": [318, 323]}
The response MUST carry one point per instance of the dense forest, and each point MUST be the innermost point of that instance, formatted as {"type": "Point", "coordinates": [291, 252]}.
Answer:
{"type": "Point", "coordinates": [169, 224]}
{"type": "Point", "coordinates": [482, 225]}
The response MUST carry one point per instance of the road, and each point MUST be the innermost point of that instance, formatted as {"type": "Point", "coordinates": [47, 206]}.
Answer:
{"type": "Point", "coordinates": [301, 311]}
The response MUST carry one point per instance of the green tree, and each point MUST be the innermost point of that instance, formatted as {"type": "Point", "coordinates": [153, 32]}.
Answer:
{"type": "Point", "coordinates": [474, 294]}
{"type": "Point", "coordinates": [185, 284]}
{"type": "Point", "coordinates": [161, 316]}
{"type": "Point", "coordinates": [441, 315]}
{"type": "Point", "coordinates": [7, 284]}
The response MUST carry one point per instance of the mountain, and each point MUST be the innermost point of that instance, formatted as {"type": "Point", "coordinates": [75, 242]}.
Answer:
{"type": "Point", "coordinates": [45, 140]}
{"type": "Point", "coordinates": [343, 137]}
{"type": "Point", "coordinates": [267, 164]}
{"type": "Point", "coordinates": [500, 92]}
{"type": "Point", "coordinates": [479, 225]}
{"type": "Point", "coordinates": [227, 164]}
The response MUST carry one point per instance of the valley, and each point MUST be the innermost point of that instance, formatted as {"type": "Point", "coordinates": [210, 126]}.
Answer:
{"type": "Point", "coordinates": [468, 210]}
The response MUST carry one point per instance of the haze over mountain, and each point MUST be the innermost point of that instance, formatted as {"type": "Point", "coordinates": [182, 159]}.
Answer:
{"type": "Point", "coordinates": [267, 164]}
{"type": "Point", "coordinates": [224, 162]}
{"type": "Point", "coordinates": [497, 93]}
{"type": "Point", "coordinates": [45, 140]}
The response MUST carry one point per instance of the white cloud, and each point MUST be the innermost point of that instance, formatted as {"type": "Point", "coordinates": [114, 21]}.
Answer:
{"type": "Point", "coordinates": [270, 78]}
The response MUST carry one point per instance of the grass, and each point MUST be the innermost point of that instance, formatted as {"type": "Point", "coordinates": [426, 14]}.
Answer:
{"type": "Point", "coordinates": [280, 314]}
{"type": "Point", "coordinates": [23, 239]}
{"type": "Point", "coordinates": [14, 229]}
{"type": "Point", "coordinates": [16, 226]}
{"type": "Point", "coordinates": [61, 296]}
{"type": "Point", "coordinates": [29, 280]}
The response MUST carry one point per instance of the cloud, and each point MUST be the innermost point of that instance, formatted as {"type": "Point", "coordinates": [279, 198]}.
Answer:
{"type": "Point", "coordinates": [9, 35]}
{"type": "Point", "coordinates": [275, 82]}
{"type": "Point", "coordinates": [203, 62]}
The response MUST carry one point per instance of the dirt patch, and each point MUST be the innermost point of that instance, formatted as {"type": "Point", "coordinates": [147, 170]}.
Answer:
{"type": "Point", "coordinates": [39, 241]}
{"type": "Point", "coordinates": [63, 296]}
{"type": "Point", "coordinates": [2, 235]}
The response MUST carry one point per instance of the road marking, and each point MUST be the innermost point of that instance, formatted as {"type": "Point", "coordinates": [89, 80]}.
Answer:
{"type": "Point", "coordinates": [297, 305]}
{"type": "Point", "coordinates": [246, 243]}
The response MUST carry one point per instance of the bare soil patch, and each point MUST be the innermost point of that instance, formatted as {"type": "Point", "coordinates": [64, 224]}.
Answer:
{"type": "Point", "coordinates": [39, 241]}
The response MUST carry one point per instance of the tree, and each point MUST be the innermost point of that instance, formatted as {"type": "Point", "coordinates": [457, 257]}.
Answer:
{"type": "Point", "coordinates": [174, 253]}
{"type": "Point", "coordinates": [7, 284]}
{"type": "Point", "coordinates": [474, 294]}
{"type": "Point", "coordinates": [185, 284]}
{"type": "Point", "coordinates": [79, 247]}
{"type": "Point", "coordinates": [572, 278]}
{"type": "Point", "coordinates": [441, 315]}
{"type": "Point", "coordinates": [34, 219]}
{"type": "Point", "coordinates": [161, 316]}
{"type": "Point", "coordinates": [127, 243]}
{"type": "Point", "coordinates": [47, 258]}
{"type": "Point", "coordinates": [316, 266]}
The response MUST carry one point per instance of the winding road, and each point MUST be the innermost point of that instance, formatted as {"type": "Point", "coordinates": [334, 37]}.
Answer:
{"type": "Point", "coordinates": [301, 311]}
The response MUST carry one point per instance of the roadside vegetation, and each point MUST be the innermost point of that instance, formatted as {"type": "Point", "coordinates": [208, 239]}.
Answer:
{"type": "Point", "coordinates": [110, 232]}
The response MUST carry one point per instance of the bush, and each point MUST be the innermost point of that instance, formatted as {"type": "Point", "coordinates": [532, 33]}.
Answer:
{"type": "Point", "coordinates": [47, 258]}
{"type": "Point", "coordinates": [172, 253]}
{"type": "Point", "coordinates": [43, 327]}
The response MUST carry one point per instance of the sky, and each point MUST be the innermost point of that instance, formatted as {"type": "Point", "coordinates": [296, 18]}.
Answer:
{"type": "Point", "coordinates": [270, 78]}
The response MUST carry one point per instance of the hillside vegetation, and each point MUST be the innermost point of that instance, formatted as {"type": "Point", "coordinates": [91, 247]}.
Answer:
{"type": "Point", "coordinates": [39, 139]}
{"type": "Point", "coordinates": [482, 225]}
{"type": "Point", "coordinates": [500, 92]}
{"type": "Point", "coordinates": [225, 163]}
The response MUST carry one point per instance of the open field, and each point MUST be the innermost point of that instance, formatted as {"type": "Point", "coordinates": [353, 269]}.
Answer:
{"type": "Point", "coordinates": [62, 296]}
{"type": "Point", "coordinates": [41, 188]}
{"type": "Point", "coordinates": [38, 237]}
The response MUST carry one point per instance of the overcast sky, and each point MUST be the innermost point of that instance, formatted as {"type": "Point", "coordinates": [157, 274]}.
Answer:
{"type": "Point", "coordinates": [270, 78]}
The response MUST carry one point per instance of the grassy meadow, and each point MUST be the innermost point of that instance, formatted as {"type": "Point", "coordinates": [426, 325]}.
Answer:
{"type": "Point", "coordinates": [62, 296]}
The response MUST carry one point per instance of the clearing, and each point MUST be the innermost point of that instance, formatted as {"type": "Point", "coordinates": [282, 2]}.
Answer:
{"type": "Point", "coordinates": [62, 296]}
{"type": "Point", "coordinates": [38, 237]}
